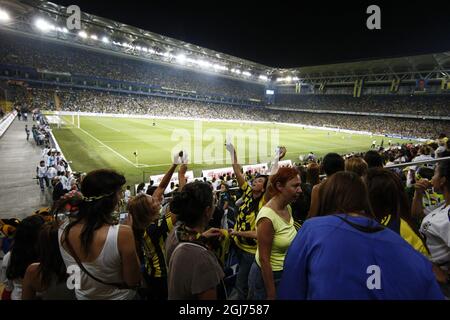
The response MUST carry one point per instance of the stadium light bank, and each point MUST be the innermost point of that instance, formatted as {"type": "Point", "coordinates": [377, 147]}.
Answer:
{"type": "Point", "coordinates": [4, 16]}
{"type": "Point", "coordinates": [45, 26]}
{"type": "Point", "coordinates": [83, 34]}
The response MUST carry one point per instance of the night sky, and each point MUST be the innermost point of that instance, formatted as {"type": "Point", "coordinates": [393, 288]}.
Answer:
{"type": "Point", "coordinates": [289, 33]}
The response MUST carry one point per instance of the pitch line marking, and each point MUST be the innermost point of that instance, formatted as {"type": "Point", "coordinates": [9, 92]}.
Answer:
{"type": "Point", "coordinates": [104, 125]}
{"type": "Point", "coordinates": [109, 148]}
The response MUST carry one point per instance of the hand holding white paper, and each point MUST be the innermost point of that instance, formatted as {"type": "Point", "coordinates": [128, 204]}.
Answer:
{"type": "Point", "coordinates": [177, 157]}
{"type": "Point", "coordinates": [184, 157]}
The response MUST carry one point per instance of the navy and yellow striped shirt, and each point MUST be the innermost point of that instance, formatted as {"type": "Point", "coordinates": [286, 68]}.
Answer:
{"type": "Point", "coordinates": [154, 246]}
{"type": "Point", "coordinates": [245, 220]}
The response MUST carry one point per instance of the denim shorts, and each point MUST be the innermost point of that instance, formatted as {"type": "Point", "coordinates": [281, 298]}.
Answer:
{"type": "Point", "coordinates": [256, 287]}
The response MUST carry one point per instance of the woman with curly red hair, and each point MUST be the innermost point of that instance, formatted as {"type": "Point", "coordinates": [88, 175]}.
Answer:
{"type": "Point", "coordinates": [275, 231]}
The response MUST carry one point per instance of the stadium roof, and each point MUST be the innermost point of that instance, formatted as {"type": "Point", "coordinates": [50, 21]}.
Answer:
{"type": "Point", "coordinates": [422, 64]}
{"type": "Point", "coordinates": [25, 11]}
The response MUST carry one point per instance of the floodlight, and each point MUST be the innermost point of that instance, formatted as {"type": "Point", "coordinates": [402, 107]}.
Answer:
{"type": "Point", "coordinates": [219, 67]}
{"type": "Point", "coordinates": [4, 16]}
{"type": "Point", "coordinates": [83, 34]}
{"type": "Point", "coordinates": [43, 25]}
{"type": "Point", "coordinates": [94, 37]}
{"type": "Point", "coordinates": [181, 58]}
{"type": "Point", "coordinates": [105, 40]}
{"type": "Point", "coordinates": [203, 63]}
{"type": "Point", "coordinates": [262, 77]}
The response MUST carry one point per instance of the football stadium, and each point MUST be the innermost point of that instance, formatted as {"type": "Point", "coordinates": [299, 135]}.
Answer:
{"type": "Point", "coordinates": [138, 166]}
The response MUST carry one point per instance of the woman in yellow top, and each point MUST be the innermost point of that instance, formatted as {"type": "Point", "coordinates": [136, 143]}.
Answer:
{"type": "Point", "coordinates": [391, 206]}
{"type": "Point", "coordinates": [275, 231]}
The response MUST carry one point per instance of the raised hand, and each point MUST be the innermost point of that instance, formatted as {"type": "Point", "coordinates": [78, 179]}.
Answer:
{"type": "Point", "coordinates": [230, 148]}
{"type": "Point", "coordinates": [184, 157]}
{"type": "Point", "coordinates": [178, 157]}
{"type": "Point", "coordinates": [422, 185]}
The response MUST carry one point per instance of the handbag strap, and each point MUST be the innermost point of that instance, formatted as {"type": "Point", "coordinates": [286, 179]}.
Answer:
{"type": "Point", "coordinates": [80, 264]}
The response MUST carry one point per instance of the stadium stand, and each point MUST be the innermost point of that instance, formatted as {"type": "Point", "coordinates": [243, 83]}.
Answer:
{"type": "Point", "coordinates": [92, 101]}
{"type": "Point", "coordinates": [430, 105]}
{"type": "Point", "coordinates": [57, 58]}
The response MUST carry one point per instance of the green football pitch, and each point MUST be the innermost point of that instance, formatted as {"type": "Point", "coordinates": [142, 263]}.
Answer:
{"type": "Point", "coordinates": [106, 142]}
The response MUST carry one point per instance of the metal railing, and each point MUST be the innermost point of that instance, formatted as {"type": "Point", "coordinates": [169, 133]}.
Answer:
{"type": "Point", "coordinates": [407, 164]}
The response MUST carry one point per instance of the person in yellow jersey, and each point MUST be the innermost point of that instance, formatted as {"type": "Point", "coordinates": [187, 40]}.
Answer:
{"type": "Point", "coordinates": [244, 232]}
{"type": "Point", "coordinates": [391, 206]}
{"type": "Point", "coordinates": [275, 231]}
{"type": "Point", "coordinates": [151, 232]}
{"type": "Point", "coordinates": [425, 199]}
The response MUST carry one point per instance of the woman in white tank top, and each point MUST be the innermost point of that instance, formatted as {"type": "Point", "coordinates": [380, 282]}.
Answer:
{"type": "Point", "coordinates": [107, 253]}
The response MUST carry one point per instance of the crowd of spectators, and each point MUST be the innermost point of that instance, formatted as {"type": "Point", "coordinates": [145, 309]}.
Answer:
{"type": "Point", "coordinates": [182, 247]}
{"type": "Point", "coordinates": [103, 102]}
{"type": "Point", "coordinates": [53, 57]}
{"type": "Point", "coordinates": [422, 105]}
